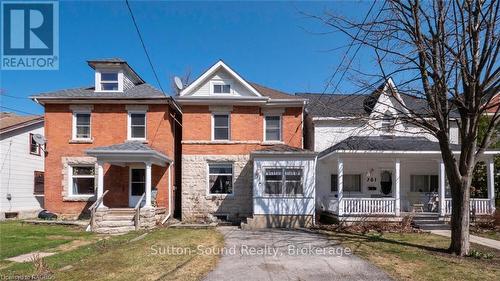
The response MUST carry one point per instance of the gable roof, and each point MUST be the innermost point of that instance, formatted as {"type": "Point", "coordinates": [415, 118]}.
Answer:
{"type": "Point", "coordinates": [211, 71]}
{"type": "Point", "coordinates": [11, 121]}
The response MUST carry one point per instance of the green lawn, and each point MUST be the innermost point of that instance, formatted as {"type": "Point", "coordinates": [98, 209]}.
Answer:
{"type": "Point", "coordinates": [18, 238]}
{"type": "Point", "coordinates": [121, 258]}
{"type": "Point", "coordinates": [420, 256]}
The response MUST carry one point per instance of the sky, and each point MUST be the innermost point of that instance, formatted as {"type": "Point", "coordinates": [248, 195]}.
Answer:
{"type": "Point", "coordinates": [270, 43]}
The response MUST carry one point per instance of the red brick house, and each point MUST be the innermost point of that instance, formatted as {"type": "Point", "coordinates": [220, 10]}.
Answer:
{"type": "Point", "coordinates": [242, 153]}
{"type": "Point", "coordinates": [114, 140]}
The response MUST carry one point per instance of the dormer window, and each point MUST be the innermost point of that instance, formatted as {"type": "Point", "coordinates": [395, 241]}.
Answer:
{"type": "Point", "coordinates": [109, 81]}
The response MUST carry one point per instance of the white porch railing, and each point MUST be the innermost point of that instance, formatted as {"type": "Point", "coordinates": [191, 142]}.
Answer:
{"type": "Point", "coordinates": [480, 205]}
{"type": "Point", "coordinates": [368, 206]}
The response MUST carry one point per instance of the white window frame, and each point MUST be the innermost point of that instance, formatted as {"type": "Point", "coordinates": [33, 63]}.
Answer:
{"type": "Point", "coordinates": [281, 128]}
{"type": "Point", "coordinates": [388, 123]}
{"type": "Point", "coordinates": [228, 128]}
{"type": "Point", "coordinates": [70, 180]}
{"type": "Point", "coordinates": [129, 124]}
{"type": "Point", "coordinates": [73, 134]}
{"type": "Point", "coordinates": [352, 175]}
{"type": "Point", "coordinates": [428, 176]}
{"type": "Point", "coordinates": [208, 178]}
{"type": "Point", "coordinates": [283, 181]}
{"type": "Point", "coordinates": [98, 81]}
{"type": "Point", "coordinates": [221, 82]}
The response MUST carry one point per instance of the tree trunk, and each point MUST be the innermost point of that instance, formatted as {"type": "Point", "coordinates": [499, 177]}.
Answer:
{"type": "Point", "coordinates": [460, 217]}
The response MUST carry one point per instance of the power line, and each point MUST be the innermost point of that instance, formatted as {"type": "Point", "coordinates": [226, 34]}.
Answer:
{"type": "Point", "coordinates": [17, 110]}
{"type": "Point", "coordinates": [144, 46]}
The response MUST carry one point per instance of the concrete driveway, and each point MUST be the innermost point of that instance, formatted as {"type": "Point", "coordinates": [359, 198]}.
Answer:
{"type": "Point", "coordinates": [275, 254]}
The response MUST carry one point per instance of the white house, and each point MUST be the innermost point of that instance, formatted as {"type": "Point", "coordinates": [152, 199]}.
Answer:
{"type": "Point", "coordinates": [22, 166]}
{"type": "Point", "coordinates": [373, 163]}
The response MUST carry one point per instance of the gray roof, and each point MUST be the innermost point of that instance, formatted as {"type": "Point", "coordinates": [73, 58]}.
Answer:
{"type": "Point", "coordinates": [129, 147]}
{"type": "Point", "coordinates": [386, 143]}
{"type": "Point", "coordinates": [336, 105]}
{"type": "Point", "coordinates": [112, 60]}
{"type": "Point", "coordinates": [136, 92]}
{"type": "Point", "coordinates": [282, 149]}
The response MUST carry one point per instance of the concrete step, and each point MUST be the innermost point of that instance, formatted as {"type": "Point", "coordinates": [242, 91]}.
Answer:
{"type": "Point", "coordinates": [428, 222]}
{"type": "Point", "coordinates": [114, 230]}
{"type": "Point", "coordinates": [115, 217]}
{"type": "Point", "coordinates": [434, 227]}
{"type": "Point", "coordinates": [115, 223]}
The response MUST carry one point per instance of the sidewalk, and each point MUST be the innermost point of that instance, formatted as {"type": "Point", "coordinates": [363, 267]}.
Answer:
{"type": "Point", "coordinates": [473, 239]}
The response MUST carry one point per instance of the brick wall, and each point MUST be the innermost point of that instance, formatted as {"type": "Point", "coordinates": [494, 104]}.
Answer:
{"type": "Point", "coordinates": [108, 126]}
{"type": "Point", "coordinates": [246, 130]}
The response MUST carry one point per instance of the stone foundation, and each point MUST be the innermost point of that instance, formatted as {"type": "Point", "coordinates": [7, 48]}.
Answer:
{"type": "Point", "coordinates": [278, 221]}
{"type": "Point", "coordinates": [198, 206]}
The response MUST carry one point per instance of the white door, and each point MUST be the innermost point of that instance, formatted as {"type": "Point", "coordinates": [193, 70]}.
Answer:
{"type": "Point", "coordinates": [137, 186]}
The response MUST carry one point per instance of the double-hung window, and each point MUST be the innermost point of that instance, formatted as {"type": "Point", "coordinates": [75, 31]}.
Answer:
{"type": "Point", "coordinates": [82, 180]}
{"type": "Point", "coordinates": [109, 81]}
{"type": "Point", "coordinates": [221, 127]}
{"type": "Point", "coordinates": [220, 178]}
{"type": "Point", "coordinates": [81, 125]}
{"type": "Point", "coordinates": [273, 128]}
{"type": "Point", "coordinates": [424, 183]}
{"type": "Point", "coordinates": [137, 125]}
{"type": "Point", "coordinates": [283, 181]}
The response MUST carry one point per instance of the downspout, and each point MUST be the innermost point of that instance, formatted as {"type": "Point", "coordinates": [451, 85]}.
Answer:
{"type": "Point", "coordinates": [314, 180]}
{"type": "Point", "coordinates": [169, 194]}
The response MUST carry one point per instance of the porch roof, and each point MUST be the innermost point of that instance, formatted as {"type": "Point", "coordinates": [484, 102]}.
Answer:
{"type": "Point", "coordinates": [282, 149]}
{"type": "Point", "coordinates": [131, 151]}
{"type": "Point", "coordinates": [381, 144]}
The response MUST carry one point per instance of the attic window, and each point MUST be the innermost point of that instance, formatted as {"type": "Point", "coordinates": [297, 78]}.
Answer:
{"type": "Point", "coordinates": [221, 88]}
{"type": "Point", "coordinates": [109, 81]}
{"type": "Point", "coordinates": [388, 122]}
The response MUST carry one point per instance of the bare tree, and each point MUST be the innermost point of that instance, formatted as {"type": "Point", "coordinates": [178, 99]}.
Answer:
{"type": "Point", "coordinates": [444, 52]}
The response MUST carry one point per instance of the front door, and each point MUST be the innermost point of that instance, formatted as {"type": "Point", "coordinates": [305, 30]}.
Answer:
{"type": "Point", "coordinates": [137, 185]}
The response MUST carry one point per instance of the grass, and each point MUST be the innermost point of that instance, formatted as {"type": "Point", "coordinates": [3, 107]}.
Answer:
{"type": "Point", "coordinates": [420, 256]}
{"type": "Point", "coordinates": [122, 258]}
{"type": "Point", "coordinates": [18, 238]}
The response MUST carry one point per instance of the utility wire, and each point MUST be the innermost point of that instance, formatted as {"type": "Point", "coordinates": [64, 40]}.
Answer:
{"type": "Point", "coordinates": [144, 45]}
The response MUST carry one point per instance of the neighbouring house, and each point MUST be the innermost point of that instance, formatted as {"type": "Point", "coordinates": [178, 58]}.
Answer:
{"type": "Point", "coordinates": [111, 148]}
{"type": "Point", "coordinates": [242, 153]}
{"type": "Point", "coordinates": [493, 104]}
{"type": "Point", "coordinates": [372, 163]}
{"type": "Point", "coordinates": [22, 166]}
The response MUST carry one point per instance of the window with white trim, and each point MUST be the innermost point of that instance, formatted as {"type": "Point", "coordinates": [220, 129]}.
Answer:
{"type": "Point", "coordinates": [221, 88]}
{"type": "Point", "coordinates": [273, 128]}
{"type": "Point", "coordinates": [81, 126]}
{"type": "Point", "coordinates": [283, 181]}
{"type": "Point", "coordinates": [137, 125]}
{"type": "Point", "coordinates": [220, 178]}
{"type": "Point", "coordinates": [221, 127]}
{"type": "Point", "coordinates": [109, 81]}
{"type": "Point", "coordinates": [34, 146]}
{"type": "Point", "coordinates": [82, 180]}
{"type": "Point", "coordinates": [424, 183]}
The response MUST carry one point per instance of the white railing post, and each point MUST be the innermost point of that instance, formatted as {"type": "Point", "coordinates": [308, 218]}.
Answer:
{"type": "Point", "coordinates": [148, 185]}
{"type": "Point", "coordinates": [100, 182]}
{"type": "Point", "coordinates": [398, 188]}
{"type": "Point", "coordinates": [340, 182]}
{"type": "Point", "coordinates": [442, 186]}
{"type": "Point", "coordinates": [491, 184]}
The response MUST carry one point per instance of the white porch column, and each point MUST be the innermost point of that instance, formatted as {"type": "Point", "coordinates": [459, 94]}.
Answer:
{"type": "Point", "coordinates": [148, 184]}
{"type": "Point", "coordinates": [398, 188]}
{"type": "Point", "coordinates": [340, 182]}
{"type": "Point", "coordinates": [100, 181]}
{"type": "Point", "coordinates": [442, 186]}
{"type": "Point", "coordinates": [491, 183]}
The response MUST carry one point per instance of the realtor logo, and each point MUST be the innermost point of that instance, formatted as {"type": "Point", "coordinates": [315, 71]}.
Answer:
{"type": "Point", "coordinates": [30, 35]}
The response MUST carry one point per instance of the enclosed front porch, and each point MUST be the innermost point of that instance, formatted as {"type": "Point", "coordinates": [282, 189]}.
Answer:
{"type": "Point", "coordinates": [389, 185]}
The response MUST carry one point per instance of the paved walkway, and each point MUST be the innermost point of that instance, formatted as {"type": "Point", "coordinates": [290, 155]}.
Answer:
{"type": "Point", "coordinates": [274, 254]}
{"type": "Point", "coordinates": [495, 244]}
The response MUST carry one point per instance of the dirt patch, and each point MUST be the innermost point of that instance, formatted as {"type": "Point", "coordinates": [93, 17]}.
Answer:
{"type": "Point", "coordinates": [73, 245]}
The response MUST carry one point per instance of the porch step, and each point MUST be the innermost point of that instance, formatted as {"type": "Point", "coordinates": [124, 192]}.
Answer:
{"type": "Point", "coordinates": [429, 222]}
{"type": "Point", "coordinates": [118, 217]}
{"type": "Point", "coordinates": [115, 223]}
{"type": "Point", "coordinates": [114, 230]}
